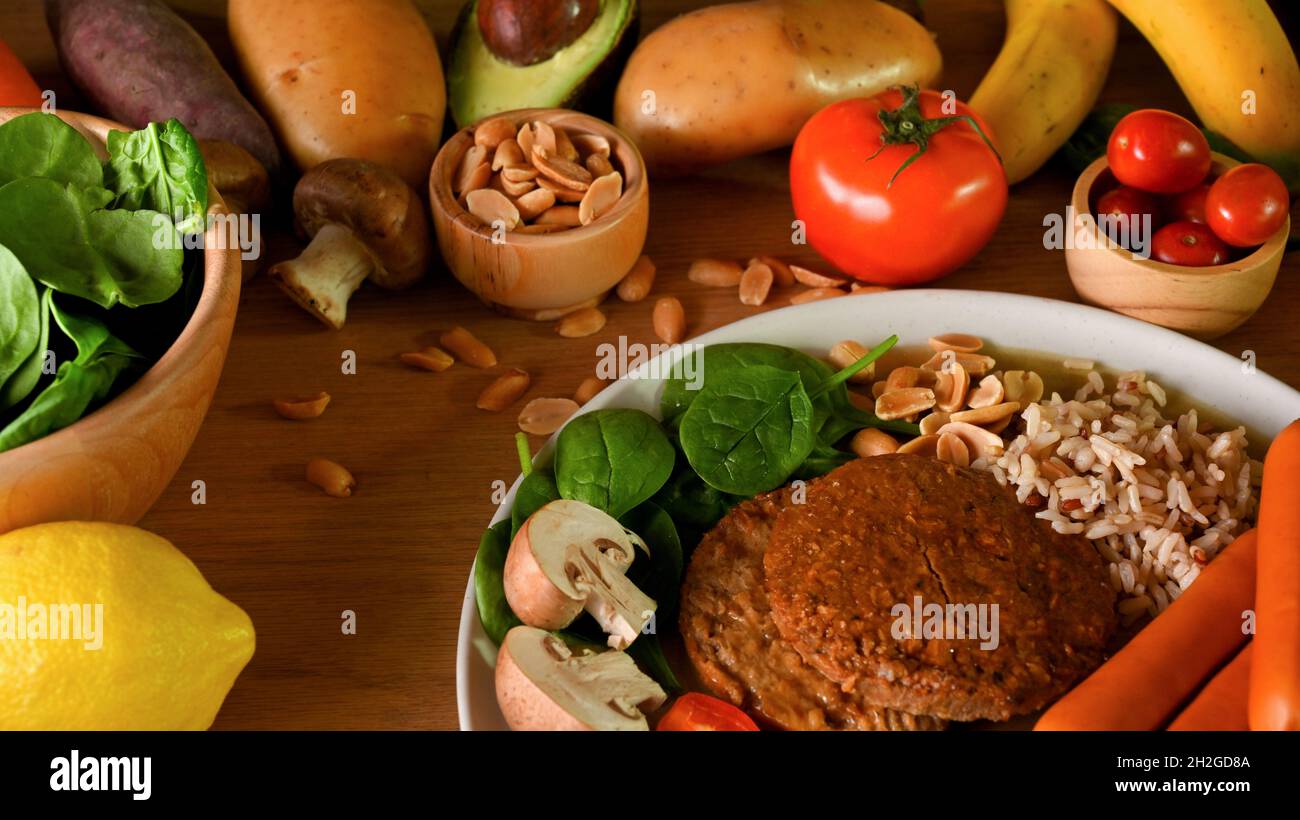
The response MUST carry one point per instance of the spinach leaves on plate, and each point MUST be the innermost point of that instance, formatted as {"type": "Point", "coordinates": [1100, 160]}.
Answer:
{"type": "Point", "coordinates": [612, 459]}
{"type": "Point", "coordinates": [749, 429]}
{"type": "Point", "coordinates": [489, 582]}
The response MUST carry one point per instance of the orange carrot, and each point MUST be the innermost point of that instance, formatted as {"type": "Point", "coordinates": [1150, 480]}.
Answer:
{"type": "Point", "coordinates": [1221, 705]}
{"type": "Point", "coordinates": [1275, 675]}
{"type": "Point", "coordinates": [1142, 686]}
{"type": "Point", "coordinates": [16, 86]}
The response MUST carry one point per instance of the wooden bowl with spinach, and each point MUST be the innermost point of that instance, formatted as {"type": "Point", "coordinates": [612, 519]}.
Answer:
{"type": "Point", "coordinates": [114, 317]}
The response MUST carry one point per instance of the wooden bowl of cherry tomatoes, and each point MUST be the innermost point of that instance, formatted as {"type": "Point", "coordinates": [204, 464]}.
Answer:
{"type": "Point", "coordinates": [1167, 231]}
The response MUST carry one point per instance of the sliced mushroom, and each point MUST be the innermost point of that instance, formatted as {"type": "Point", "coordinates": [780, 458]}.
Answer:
{"type": "Point", "coordinates": [569, 556]}
{"type": "Point", "coordinates": [543, 685]}
{"type": "Point", "coordinates": [365, 222]}
{"type": "Point", "coordinates": [980, 442]}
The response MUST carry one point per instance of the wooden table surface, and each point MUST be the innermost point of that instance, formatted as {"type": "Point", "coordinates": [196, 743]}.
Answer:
{"type": "Point", "coordinates": [398, 552]}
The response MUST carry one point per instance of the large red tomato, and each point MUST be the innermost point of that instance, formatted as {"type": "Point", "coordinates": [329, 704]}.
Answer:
{"type": "Point", "coordinates": [882, 222]}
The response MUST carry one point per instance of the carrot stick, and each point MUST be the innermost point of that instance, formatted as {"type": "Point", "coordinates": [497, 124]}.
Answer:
{"type": "Point", "coordinates": [1143, 685]}
{"type": "Point", "coordinates": [16, 86]}
{"type": "Point", "coordinates": [1221, 705]}
{"type": "Point", "coordinates": [1275, 675]}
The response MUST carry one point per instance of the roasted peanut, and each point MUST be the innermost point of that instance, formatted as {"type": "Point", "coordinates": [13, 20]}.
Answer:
{"type": "Point", "coordinates": [331, 477]}
{"type": "Point", "coordinates": [588, 389]}
{"type": "Point", "coordinates": [715, 273]}
{"type": "Point", "coordinates": [813, 279]}
{"type": "Point", "coordinates": [669, 320]}
{"type": "Point", "coordinates": [816, 295]}
{"type": "Point", "coordinates": [504, 391]}
{"type": "Point", "coordinates": [307, 407]}
{"type": "Point", "coordinates": [541, 417]}
{"type": "Point", "coordinates": [781, 275]}
{"type": "Point", "coordinates": [755, 283]}
{"type": "Point", "coordinates": [869, 442]}
{"type": "Point", "coordinates": [583, 322]}
{"type": "Point", "coordinates": [846, 353]}
{"type": "Point", "coordinates": [467, 348]}
{"type": "Point", "coordinates": [600, 197]}
{"type": "Point", "coordinates": [638, 281]}
{"type": "Point", "coordinates": [492, 132]}
{"type": "Point", "coordinates": [430, 358]}
{"type": "Point", "coordinates": [490, 206]}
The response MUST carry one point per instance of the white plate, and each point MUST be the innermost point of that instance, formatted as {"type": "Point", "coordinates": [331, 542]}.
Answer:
{"type": "Point", "coordinates": [1208, 376]}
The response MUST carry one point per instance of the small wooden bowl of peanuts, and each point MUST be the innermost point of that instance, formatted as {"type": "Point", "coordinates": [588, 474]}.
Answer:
{"type": "Point", "coordinates": [539, 211]}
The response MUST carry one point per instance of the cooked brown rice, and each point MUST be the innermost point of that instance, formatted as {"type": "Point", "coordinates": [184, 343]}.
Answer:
{"type": "Point", "coordinates": [1158, 498]}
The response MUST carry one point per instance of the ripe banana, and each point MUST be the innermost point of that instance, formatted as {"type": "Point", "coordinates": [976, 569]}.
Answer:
{"type": "Point", "coordinates": [1235, 65]}
{"type": "Point", "coordinates": [1046, 78]}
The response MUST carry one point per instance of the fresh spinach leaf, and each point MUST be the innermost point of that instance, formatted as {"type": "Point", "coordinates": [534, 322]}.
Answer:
{"type": "Point", "coordinates": [535, 491]}
{"type": "Point", "coordinates": [717, 361]}
{"type": "Point", "coordinates": [42, 145]}
{"type": "Point", "coordinates": [28, 374]}
{"type": "Point", "coordinates": [659, 576]}
{"type": "Point", "coordinates": [612, 459]}
{"type": "Point", "coordinates": [103, 256]}
{"type": "Point", "coordinates": [489, 585]}
{"type": "Point", "coordinates": [20, 321]}
{"type": "Point", "coordinates": [101, 358]}
{"type": "Point", "coordinates": [689, 500]}
{"type": "Point", "coordinates": [160, 168]}
{"type": "Point", "coordinates": [748, 429]}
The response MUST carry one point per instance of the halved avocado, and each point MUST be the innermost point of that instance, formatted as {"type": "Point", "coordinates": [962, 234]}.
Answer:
{"type": "Point", "coordinates": [581, 74]}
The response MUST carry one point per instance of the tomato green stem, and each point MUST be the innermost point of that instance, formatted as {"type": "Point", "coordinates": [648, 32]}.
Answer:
{"type": "Point", "coordinates": [857, 367]}
{"type": "Point", "coordinates": [906, 124]}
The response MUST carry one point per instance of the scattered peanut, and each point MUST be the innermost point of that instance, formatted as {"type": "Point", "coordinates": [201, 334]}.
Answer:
{"type": "Point", "coordinates": [846, 353]}
{"type": "Point", "coordinates": [541, 417]}
{"type": "Point", "coordinates": [583, 322]}
{"type": "Point", "coordinates": [899, 404]}
{"type": "Point", "coordinates": [755, 283]}
{"type": "Point", "coordinates": [669, 320]}
{"type": "Point", "coordinates": [588, 389]}
{"type": "Point", "coordinates": [813, 279]}
{"type": "Point", "coordinates": [781, 275]}
{"type": "Point", "coordinates": [638, 281]}
{"type": "Point", "coordinates": [307, 407]}
{"type": "Point", "coordinates": [467, 348]}
{"type": "Point", "coordinates": [715, 273]}
{"type": "Point", "coordinates": [504, 391]}
{"type": "Point", "coordinates": [333, 478]}
{"type": "Point", "coordinates": [816, 295]}
{"type": "Point", "coordinates": [429, 358]}
{"type": "Point", "coordinates": [869, 442]}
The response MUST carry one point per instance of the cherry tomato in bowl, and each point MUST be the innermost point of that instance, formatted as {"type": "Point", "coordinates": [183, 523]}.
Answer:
{"type": "Point", "coordinates": [1247, 205]}
{"type": "Point", "coordinates": [885, 209]}
{"type": "Point", "coordinates": [695, 712]}
{"type": "Point", "coordinates": [1189, 206]}
{"type": "Point", "coordinates": [1158, 151]}
{"type": "Point", "coordinates": [1130, 204]}
{"type": "Point", "coordinates": [1188, 244]}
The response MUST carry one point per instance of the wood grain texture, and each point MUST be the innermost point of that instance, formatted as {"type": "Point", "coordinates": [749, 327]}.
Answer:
{"type": "Point", "coordinates": [113, 464]}
{"type": "Point", "coordinates": [398, 552]}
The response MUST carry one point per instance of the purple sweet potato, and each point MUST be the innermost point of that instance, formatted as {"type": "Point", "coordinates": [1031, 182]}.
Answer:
{"type": "Point", "coordinates": [139, 62]}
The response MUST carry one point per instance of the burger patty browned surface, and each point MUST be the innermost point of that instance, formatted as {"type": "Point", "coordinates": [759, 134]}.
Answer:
{"type": "Point", "coordinates": [727, 628]}
{"type": "Point", "coordinates": [878, 532]}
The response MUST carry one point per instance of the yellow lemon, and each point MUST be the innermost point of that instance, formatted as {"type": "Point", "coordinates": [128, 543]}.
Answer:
{"type": "Point", "coordinates": [110, 627]}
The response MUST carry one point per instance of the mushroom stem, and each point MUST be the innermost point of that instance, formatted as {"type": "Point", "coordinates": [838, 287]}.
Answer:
{"type": "Point", "coordinates": [326, 274]}
{"type": "Point", "coordinates": [621, 609]}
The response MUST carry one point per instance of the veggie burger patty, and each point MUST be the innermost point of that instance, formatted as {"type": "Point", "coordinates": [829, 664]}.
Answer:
{"type": "Point", "coordinates": [884, 531]}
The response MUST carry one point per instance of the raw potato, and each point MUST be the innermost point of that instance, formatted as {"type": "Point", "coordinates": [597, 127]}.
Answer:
{"type": "Point", "coordinates": [301, 57]}
{"type": "Point", "coordinates": [139, 62]}
{"type": "Point", "coordinates": [737, 79]}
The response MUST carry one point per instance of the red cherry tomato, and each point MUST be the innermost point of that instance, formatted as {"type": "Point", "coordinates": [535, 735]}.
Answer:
{"type": "Point", "coordinates": [1247, 205]}
{"type": "Point", "coordinates": [882, 224]}
{"type": "Point", "coordinates": [1158, 151]}
{"type": "Point", "coordinates": [1130, 204]}
{"type": "Point", "coordinates": [694, 712]}
{"type": "Point", "coordinates": [1188, 206]}
{"type": "Point", "coordinates": [1188, 244]}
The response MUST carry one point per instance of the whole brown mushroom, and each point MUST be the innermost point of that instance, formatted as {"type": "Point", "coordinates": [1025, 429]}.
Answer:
{"type": "Point", "coordinates": [365, 222]}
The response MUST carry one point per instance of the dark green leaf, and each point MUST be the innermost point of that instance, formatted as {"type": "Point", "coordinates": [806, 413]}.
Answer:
{"type": "Point", "coordinates": [160, 168]}
{"type": "Point", "coordinates": [42, 145]}
{"type": "Point", "coordinates": [535, 491]}
{"type": "Point", "coordinates": [20, 320]}
{"type": "Point", "coordinates": [612, 459]}
{"type": "Point", "coordinates": [489, 587]}
{"type": "Point", "coordinates": [106, 257]}
{"type": "Point", "coordinates": [28, 374]}
{"type": "Point", "coordinates": [660, 575]}
{"type": "Point", "coordinates": [748, 429]}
